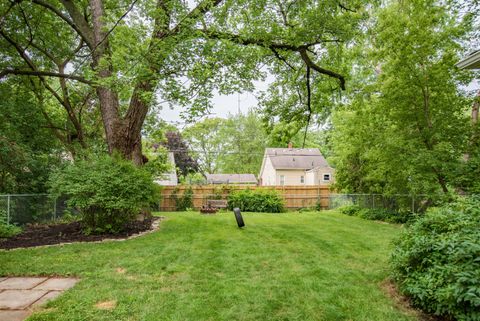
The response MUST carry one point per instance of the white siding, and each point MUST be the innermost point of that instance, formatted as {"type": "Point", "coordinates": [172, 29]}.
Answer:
{"type": "Point", "coordinates": [268, 175]}
{"type": "Point", "coordinates": [311, 178]}
{"type": "Point", "coordinates": [316, 175]}
{"type": "Point", "coordinates": [292, 177]}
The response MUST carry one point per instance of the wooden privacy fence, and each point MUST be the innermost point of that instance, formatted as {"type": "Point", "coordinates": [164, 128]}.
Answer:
{"type": "Point", "coordinates": [294, 196]}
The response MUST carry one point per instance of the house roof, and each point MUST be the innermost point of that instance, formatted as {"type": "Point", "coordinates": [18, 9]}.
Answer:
{"type": "Point", "coordinates": [472, 61]}
{"type": "Point", "coordinates": [295, 158]}
{"type": "Point", "coordinates": [231, 178]}
{"type": "Point", "coordinates": [318, 168]}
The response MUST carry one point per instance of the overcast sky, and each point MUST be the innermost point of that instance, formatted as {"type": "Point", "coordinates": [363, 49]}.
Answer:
{"type": "Point", "coordinates": [228, 104]}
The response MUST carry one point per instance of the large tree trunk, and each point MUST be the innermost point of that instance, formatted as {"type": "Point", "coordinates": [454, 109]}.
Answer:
{"type": "Point", "coordinates": [123, 134]}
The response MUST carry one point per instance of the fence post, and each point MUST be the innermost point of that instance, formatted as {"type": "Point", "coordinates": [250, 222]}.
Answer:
{"type": "Point", "coordinates": [373, 201]}
{"type": "Point", "coordinates": [413, 204]}
{"type": "Point", "coordinates": [55, 209]}
{"type": "Point", "coordinates": [8, 209]}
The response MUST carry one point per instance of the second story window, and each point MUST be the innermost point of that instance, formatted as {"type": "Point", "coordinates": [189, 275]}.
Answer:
{"type": "Point", "coordinates": [282, 180]}
{"type": "Point", "coordinates": [302, 179]}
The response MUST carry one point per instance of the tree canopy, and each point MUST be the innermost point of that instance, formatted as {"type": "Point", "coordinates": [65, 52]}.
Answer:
{"type": "Point", "coordinates": [371, 83]}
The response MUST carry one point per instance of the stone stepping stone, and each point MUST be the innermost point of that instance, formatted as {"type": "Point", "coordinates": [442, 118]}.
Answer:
{"type": "Point", "coordinates": [16, 315]}
{"type": "Point", "coordinates": [56, 284]}
{"type": "Point", "coordinates": [20, 283]}
{"type": "Point", "coordinates": [19, 299]}
{"type": "Point", "coordinates": [47, 297]}
{"type": "Point", "coordinates": [18, 296]}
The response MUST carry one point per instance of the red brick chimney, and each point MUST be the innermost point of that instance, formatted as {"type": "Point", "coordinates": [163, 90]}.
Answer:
{"type": "Point", "coordinates": [290, 145]}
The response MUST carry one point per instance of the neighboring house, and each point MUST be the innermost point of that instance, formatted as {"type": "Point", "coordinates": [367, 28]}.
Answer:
{"type": "Point", "coordinates": [295, 166]}
{"type": "Point", "coordinates": [169, 179]}
{"type": "Point", "coordinates": [236, 179]}
{"type": "Point", "coordinates": [472, 61]}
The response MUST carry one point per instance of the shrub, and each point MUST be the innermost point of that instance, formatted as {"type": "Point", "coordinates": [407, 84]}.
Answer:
{"type": "Point", "coordinates": [350, 210]}
{"type": "Point", "coordinates": [377, 214]}
{"type": "Point", "coordinates": [436, 261]}
{"type": "Point", "coordinates": [185, 202]}
{"type": "Point", "coordinates": [109, 192]}
{"type": "Point", "coordinates": [8, 230]}
{"type": "Point", "coordinates": [268, 201]}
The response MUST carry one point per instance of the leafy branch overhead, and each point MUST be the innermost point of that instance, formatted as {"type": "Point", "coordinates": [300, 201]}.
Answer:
{"type": "Point", "coordinates": [125, 56]}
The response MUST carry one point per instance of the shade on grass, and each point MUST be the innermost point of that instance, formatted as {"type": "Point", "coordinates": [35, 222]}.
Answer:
{"type": "Point", "coordinates": [309, 266]}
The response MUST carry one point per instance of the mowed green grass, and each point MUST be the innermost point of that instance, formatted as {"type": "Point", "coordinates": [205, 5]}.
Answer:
{"type": "Point", "coordinates": [293, 266]}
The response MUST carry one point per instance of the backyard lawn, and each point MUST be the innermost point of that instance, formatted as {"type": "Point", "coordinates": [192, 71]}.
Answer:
{"type": "Point", "coordinates": [308, 266]}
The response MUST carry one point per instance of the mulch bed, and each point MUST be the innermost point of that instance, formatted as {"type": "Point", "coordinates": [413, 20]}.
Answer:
{"type": "Point", "coordinates": [37, 235]}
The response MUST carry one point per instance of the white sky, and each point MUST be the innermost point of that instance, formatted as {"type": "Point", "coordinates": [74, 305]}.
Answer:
{"type": "Point", "coordinates": [228, 104]}
{"type": "Point", "coordinates": [223, 104]}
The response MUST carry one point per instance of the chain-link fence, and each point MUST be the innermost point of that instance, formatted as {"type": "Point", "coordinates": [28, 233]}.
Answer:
{"type": "Point", "coordinates": [21, 209]}
{"type": "Point", "coordinates": [394, 203]}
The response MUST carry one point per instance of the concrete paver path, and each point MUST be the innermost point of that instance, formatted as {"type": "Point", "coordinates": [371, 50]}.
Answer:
{"type": "Point", "coordinates": [18, 295]}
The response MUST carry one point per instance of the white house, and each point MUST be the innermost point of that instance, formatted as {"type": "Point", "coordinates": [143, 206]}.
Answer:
{"type": "Point", "coordinates": [169, 179]}
{"type": "Point", "coordinates": [295, 166]}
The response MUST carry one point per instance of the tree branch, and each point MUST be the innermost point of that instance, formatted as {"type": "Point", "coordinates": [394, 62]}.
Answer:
{"type": "Point", "coordinates": [275, 52]}
{"type": "Point", "coordinates": [345, 7]}
{"type": "Point", "coordinates": [6, 72]}
{"type": "Point", "coordinates": [202, 8]}
{"type": "Point", "coordinates": [309, 105]}
{"type": "Point", "coordinates": [302, 49]}
{"type": "Point", "coordinates": [4, 16]}
{"type": "Point", "coordinates": [311, 64]}
{"type": "Point", "coordinates": [78, 22]}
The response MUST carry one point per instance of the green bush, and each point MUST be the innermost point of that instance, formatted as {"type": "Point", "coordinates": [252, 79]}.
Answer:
{"type": "Point", "coordinates": [350, 210]}
{"type": "Point", "coordinates": [436, 261]}
{"type": "Point", "coordinates": [377, 214]}
{"type": "Point", "coordinates": [8, 230]}
{"type": "Point", "coordinates": [108, 192]}
{"type": "Point", "coordinates": [184, 202]}
{"type": "Point", "coordinates": [267, 201]}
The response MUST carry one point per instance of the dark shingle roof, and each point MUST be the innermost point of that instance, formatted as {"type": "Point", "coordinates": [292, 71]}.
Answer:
{"type": "Point", "coordinates": [296, 158]}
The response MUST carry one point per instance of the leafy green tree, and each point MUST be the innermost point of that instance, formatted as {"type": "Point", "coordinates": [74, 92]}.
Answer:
{"type": "Point", "coordinates": [407, 129]}
{"type": "Point", "coordinates": [28, 147]}
{"type": "Point", "coordinates": [246, 142]}
{"type": "Point", "coordinates": [117, 57]}
{"type": "Point", "coordinates": [208, 142]}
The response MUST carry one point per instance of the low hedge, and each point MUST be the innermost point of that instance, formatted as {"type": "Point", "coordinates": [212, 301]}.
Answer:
{"type": "Point", "coordinates": [377, 214]}
{"type": "Point", "coordinates": [267, 201]}
{"type": "Point", "coordinates": [436, 261]}
{"type": "Point", "coordinates": [7, 231]}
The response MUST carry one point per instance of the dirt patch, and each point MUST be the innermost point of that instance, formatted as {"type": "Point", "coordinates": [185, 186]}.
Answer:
{"type": "Point", "coordinates": [39, 235]}
{"type": "Point", "coordinates": [120, 270]}
{"type": "Point", "coordinates": [403, 303]}
{"type": "Point", "coordinates": [106, 305]}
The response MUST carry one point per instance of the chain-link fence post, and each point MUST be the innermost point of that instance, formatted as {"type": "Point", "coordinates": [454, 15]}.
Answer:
{"type": "Point", "coordinates": [55, 209]}
{"type": "Point", "coordinates": [413, 204]}
{"type": "Point", "coordinates": [8, 209]}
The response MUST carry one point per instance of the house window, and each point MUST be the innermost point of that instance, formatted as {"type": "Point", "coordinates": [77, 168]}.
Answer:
{"type": "Point", "coordinates": [326, 177]}
{"type": "Point", "coordinates": [282, 180]}
{"type": "Point", "coordinates": [302, 179]}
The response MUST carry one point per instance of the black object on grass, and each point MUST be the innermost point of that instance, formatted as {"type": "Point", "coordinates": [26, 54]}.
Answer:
{"type": "Point", "coordinates": [238, 217]}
